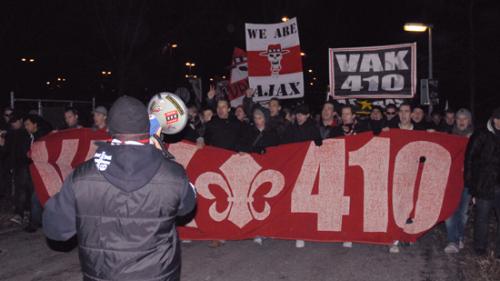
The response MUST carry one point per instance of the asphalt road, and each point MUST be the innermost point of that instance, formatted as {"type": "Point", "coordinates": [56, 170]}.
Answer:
{"type": "Point", "coordinates": [26, 257]}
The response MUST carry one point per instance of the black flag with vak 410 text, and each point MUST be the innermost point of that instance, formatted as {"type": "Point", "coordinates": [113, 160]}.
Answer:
{"type": "Point", "coordinates": [377, 72]}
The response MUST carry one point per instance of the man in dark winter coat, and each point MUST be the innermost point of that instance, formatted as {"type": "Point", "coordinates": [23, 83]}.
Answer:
{"type": "Point", "coordinates": [17, 145]}
{"type": "Point", "coordinates": [404, 121]}
{"type": "Point", "coordinates": [36, 128]}
{"type": "Point", "coordinates": [304, 129]}
{"type": "Point", "coordinates": [277, 119]}
{"type": "Point", "coordinates": [482, 176]}
{"type": "Point", "coordinates": [5, 179]}
{"type": "Point", "coordinates": [259, 136]}
{"type": "Point", "coordinates": [223, 130]}
{"type": "Point", "coordinates": [418, 118]}
{"type": "Point", "coordinates": [377, 122]}
{"type": "Point", "coordinates": [391, 115]}
{"type": "Point", "coordinates": [448, 122]}
{"type": "Point", "coordinates": [350, 124]}
{"type": "Point", "coordinates": [328, 120]}
{"type": "Point", "coordinates": [123, 203]}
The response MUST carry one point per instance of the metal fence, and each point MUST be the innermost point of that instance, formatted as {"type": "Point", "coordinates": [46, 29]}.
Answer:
{"type": "Point", "coordinates": [51, 109]}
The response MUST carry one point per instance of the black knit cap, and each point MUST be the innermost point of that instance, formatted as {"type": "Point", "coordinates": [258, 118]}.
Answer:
{"type": "Point", "coordinates": [128, 116]}
{"type": "Point", "coordinates": [303, 109]}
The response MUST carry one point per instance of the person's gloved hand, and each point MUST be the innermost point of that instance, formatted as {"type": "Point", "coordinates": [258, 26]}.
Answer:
{"type": "Point", "coordinates": [377, 131]}
{"type": "Point", "coordinates": [318, 142]}
{"type": "Point", "coordinates": [260, 150]}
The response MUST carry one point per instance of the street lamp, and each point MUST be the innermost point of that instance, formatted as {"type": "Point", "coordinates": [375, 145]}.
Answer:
{"type": "Point", "coordinates": [420, 27]}
{"type": "Point", "coordinates": [28, 60]}
{"type": "Point", "coordinates": [190, 65]}
{"type": "Point", "coordinates": [302, 54]}
{"type": "Point", "coordinates": [284, 19]}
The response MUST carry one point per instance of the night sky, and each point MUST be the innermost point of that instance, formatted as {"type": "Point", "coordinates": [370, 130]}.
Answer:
{"type": "Point", "coordinates": [77, 40]}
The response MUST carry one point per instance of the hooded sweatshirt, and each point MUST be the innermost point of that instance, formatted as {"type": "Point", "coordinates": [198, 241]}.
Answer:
{"type": "Point", "coordinates": [122, 205]}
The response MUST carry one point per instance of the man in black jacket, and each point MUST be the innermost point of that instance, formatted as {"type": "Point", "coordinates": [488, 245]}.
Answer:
{"type": "Point", "coordinates": [418, 118]}
{"type": "Point", "coordinates": [304, 129]}
{"type": "Point", "coordinates": [36, 128]}
{"type": "Point", "coordinates": [260, 135]}
{"type": "Point", "coordinates": [350, 124]}
{"type": "Point", "coordinates": [223, 130]}
{"type": "Point", "coordinates": [17, 145]}
{"type": "Point", "coordinates": [328, 121]}
{"type": "Point", "coordinates": [123, 203]}
{"type": "Point", "coordinates": [377, 122]}
{"type": "Point", "coordinates": [482, 176]}
{"type": "Point", "coordinates": [391, 115]}
{"type": "Point", "coordinates": [277, 119]}
{"type": "Point", "coordinates": [448, 122]}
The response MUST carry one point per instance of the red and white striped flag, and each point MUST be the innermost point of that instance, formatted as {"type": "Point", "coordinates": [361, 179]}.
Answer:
{"type": "Point", "coordinates": [239, 77]}
{"type": "Point", "coordinates": [274, 61]}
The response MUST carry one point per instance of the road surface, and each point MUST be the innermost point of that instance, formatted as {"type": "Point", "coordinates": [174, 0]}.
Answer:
{"type": "Point", "coordinates": [26, 257]}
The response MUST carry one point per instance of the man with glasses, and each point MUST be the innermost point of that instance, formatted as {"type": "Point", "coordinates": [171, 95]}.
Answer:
{"type": "Point", "coordinates": [391, 118]}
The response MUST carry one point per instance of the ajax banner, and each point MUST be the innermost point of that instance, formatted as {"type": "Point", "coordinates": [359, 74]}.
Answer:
{"type": "Point", "coordinates": [274, 61]}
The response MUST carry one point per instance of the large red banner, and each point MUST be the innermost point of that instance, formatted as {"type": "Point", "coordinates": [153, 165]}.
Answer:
{"type": "Point", "coordinates": [361, 188]}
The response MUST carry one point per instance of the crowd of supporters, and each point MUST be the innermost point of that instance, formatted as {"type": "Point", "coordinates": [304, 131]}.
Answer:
{"type": "Point", "coordinates": [253, 128]}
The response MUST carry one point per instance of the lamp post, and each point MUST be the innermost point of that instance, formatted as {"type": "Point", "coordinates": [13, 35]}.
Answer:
{"type": "Point", "coordinates": [190, 65]}
{"type": "Point", "coordinates": [28, 60]}
{"type": "Point", "coordinates": [420, 27]}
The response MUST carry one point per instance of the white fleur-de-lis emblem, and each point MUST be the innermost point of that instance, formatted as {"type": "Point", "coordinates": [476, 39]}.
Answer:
{"type": "Point", "coordinates": [242, 180]}
{"type": "Point", "coordinates": [102, 160]}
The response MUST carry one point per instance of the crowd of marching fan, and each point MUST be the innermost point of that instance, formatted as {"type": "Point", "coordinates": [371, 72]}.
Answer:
{"type": "Point", "coordinates": [252, 127]}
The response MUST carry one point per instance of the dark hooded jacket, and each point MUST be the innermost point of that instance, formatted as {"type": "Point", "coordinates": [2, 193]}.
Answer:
{"type": "Point", "coordinates": [278, 123]}
{"type": "Point", "coordinates": [305, 132]}
{"type": "Point", "coordinates": [122, 205]}
{"type": "Point", "coordinates": [223, 133]}
{"type": "Point", "coordinates": [326, 131]}
{"type": "Point", "coordinates": [17, 145]}
{"type": "Point", "coordinates": [254, 140]}
{"type": "Point", "coordinates": [482, 163]}
{"type": "Point", "coordinates": [376, 126]}
{"type": "Point", "coordinates": [358, 127]}
{"type": "Point", "coordinates": [421, 126]}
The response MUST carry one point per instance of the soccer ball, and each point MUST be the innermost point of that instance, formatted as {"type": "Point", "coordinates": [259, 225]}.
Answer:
{"type": "Point", "coordinates": [170, 111]}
